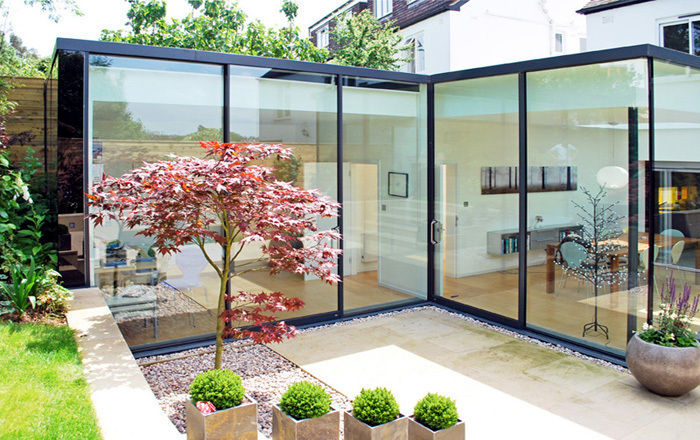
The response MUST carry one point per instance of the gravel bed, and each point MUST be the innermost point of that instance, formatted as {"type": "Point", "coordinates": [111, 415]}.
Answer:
{"type": "Point", "coordinates": [266, 375]}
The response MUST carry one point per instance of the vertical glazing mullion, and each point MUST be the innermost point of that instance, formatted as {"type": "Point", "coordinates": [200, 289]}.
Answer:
{"type": "Point", "coordinates": [226, 128]}
{"type": "Point", "coordinates": [86, 167]}
{"type": "Point", "coordinates": [431, 190]}
{"type": "Point", "coordinates": [652, 205]}
{"type": "Point", "coordinates": [522, 183]}
{"type": "Point", "coordinates": [339, 177]}
{"type": "Point", "coordinates": [633, 217]}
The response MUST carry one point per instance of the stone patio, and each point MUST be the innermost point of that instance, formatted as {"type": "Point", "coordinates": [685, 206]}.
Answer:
{"type": "Point", "coordinates": [504, 387]}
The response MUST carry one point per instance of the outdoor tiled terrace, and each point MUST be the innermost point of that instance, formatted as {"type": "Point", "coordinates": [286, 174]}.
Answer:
{"type": "Point", "coordinates": [505, 387]}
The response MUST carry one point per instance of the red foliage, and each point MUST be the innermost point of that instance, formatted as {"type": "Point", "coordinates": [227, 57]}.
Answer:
{"type": "Point", "coordinates": [231, 198]}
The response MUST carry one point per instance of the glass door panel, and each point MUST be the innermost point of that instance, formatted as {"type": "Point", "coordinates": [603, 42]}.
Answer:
{"type": "Point", "coordinates": [476, 193]}
{"type": "Point", "coordinates": [384, 193]}
{"type": "Point", "coordinates": [298, 110]}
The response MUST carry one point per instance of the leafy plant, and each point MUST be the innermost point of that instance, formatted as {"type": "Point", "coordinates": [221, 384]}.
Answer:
{"type": "Point", "coordinates": [375, 407]}
{"type": "Point", "coordinates": [672, 328]}
{"type": "Point", "coordinates": [305, 400]}
{"type": "Point", "coordinates": [51, 297]}
{"type": "Point", "coordinates": [364, 41]}
{"type": "Point", "coordinates": [216, 25]}
{"type": "Point", "coordinates": [436, 412]}
{"type": "Point", "coordinates": [223, 388]}
{"type": "Point", "coordinates": [21, 292]}
{"type": "Point", "coordinates": [231, 199]}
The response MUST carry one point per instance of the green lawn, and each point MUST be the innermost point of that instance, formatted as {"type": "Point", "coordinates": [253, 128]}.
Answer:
{"type": "Point", "coordinates": [43, 394]}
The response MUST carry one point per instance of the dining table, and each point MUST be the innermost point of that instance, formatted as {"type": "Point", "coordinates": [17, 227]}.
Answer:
{"type": "Point", "coordinates": [621, 245]}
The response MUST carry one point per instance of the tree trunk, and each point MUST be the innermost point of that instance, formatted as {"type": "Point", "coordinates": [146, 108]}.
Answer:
{"type": "Point", "coordinates": [221, 306]}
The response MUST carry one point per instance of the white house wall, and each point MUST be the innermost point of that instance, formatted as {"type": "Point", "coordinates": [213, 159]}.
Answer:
{"type": "Point", "coordinates": [634, 24]}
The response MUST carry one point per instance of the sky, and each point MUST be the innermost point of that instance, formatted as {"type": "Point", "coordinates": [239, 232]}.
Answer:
{"type": "Point", "coordinates": [37, 31]}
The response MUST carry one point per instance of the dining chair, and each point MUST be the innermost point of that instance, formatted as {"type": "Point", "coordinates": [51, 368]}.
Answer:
{"type": "Point", "coordinates": [672, 233]}
{"type": "Point", "coordinates": [573, 255]}
{"type": "Point", "coordinates": [666, 252]}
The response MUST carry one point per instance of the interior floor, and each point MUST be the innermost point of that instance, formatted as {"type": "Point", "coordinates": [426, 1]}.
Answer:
{"type": "Point", "coordinates": [568, 309]}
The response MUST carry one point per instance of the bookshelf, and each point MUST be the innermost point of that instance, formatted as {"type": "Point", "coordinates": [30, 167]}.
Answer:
{"type": "Point", "coordinates": [506, 241]}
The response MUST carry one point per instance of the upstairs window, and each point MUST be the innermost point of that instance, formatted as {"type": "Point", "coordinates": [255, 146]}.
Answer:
{"type": "Point", "coordinates": [415, 54]}
{"type": "Point", "coordinates": [558, 43]}
{"type": "Point", "coordinates": [382, 8]}
{"type": "Point", "coordinates": [323, 37]}
{"type": "Point", "coordinates": [682, 35]}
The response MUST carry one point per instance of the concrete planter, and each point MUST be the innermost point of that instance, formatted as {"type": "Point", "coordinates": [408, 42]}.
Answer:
{"type": "Point", "coordinates": [416, 431]}
{"type": "Point", "coordinates": [237, 423]}
{"type": "Point", "coordinates": [669, 371]}
{"type": "Point", "coordinates": [284, 427]}
{"type": "Point", "coordinates": [357, 430]}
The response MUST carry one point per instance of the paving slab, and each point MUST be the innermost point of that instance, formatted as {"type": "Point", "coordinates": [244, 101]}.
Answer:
{"type": "Point", "coordinates": [125, 406]}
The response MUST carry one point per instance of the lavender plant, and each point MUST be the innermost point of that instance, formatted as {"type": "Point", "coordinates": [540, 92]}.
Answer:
{"type": "Point", "coordinates": [672, 328]}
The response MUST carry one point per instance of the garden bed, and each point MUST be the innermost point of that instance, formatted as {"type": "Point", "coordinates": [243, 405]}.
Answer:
{"type": "Point", "coordinates": [266, 375]}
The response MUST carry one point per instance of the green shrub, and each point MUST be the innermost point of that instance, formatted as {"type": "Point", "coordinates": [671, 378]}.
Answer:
{"type": "Point", "coordinates": [375, 407]}
{"type": "Point", "coordinates": [436, 412]}
{"type": "Point", "coordinates": [223, 388]}
{"type": "Point", "coordinates": [305, 400]}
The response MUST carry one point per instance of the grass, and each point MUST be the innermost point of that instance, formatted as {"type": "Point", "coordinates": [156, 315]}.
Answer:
{"type": "Point", "coordinates": [43, 394]}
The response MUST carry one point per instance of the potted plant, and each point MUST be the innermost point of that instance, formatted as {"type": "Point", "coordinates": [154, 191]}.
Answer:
{"type": "Point", "coordinates": [435, 418]}
{"type": "Point", "coordinates": [216, 409]}
{"type": "Point", "coordinates": [665, 357]}
{"type": "Point", "coordinates": [304, 413]}
{"type": "Point", "coordinates": [375, 416]}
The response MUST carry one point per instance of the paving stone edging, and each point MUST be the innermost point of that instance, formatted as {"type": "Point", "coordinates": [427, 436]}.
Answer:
{"type": "Point", "coordinates": [125, 406]}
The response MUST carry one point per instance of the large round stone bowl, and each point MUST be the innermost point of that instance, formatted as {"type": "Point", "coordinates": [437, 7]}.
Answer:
{"type": "Point", "coordinates": [669, 371]}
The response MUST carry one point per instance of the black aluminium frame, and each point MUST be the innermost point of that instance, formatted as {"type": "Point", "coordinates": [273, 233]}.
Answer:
{"type": "Point", "coordinates": [648, 52]}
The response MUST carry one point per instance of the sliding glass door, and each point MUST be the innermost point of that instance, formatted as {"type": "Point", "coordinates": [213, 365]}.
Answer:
{"type": "Point", "coordinates": [476, 193]}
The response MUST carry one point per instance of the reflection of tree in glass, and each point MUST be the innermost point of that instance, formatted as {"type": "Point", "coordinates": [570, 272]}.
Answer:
{"type": "Point", "coordinates": [114, 121]}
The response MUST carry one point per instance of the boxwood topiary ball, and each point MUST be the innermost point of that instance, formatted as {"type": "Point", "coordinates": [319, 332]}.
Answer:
{"type": "Point", "coordinates": [375, 407]}
{"type": "Point", "coordinates": [305, 400]}
{"type": "Point", "coordinates": [436, 412]}
{"type": "Point", "coordinates": [223, 388]}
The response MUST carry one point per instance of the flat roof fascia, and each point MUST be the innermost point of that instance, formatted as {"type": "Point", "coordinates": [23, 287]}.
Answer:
{"type": "Point", "coordinates": [614, 5]}
{"type": "Point", "coordinates": [179, 54]}
{"type": "Point", "coordinates": [198, 56]}
{"type": "Point", "coordinates": [573, 60]}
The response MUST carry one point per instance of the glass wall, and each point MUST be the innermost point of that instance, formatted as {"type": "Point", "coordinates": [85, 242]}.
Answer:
{"type": "Point", "coordinates": [587, 235]}
{"type": "Point", "coordinates": [384, 193]}
{"type": "Point", "coordinates": [677, 176]}
{"type": "Point", "coordinates": [476, 193]}
{"type": "Point", "coordinates": [300, 111]}
{"type": "Point", "coordinates": [144, 110]}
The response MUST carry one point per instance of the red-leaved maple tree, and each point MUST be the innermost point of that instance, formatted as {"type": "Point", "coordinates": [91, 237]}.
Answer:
{"type": "Point", "coordinates": [229, 197]}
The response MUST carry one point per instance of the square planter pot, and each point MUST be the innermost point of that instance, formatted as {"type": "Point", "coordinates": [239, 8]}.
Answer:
{"type": "Point", "coordinates": [416, 431]}
{"type": "Point", "coordinates": [284, 427]}
{"type": "Point", "coordinates": [237, 423]}
{"type": "Point", "coordinates": [357, 430]}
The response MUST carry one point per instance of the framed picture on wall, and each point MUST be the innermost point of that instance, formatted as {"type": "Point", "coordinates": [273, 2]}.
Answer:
{"type": "Point", "coordinates": [398, 184]}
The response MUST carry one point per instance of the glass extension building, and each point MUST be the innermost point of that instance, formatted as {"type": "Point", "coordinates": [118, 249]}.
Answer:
{"type": "Point", "coordinates": [463, 189]}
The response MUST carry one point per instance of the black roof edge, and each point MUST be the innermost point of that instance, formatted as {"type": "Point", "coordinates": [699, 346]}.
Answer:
{"type": "Point", "coordinates": [457, 6]}
{"type": "Point", "coordinates": [200, 56]}
{"type": "Point", "coordinates": [572, 60]}
{"type": "Point", "coordinates": [578, 59]}
{"type": "Point", "coordinates": [618, 4]}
